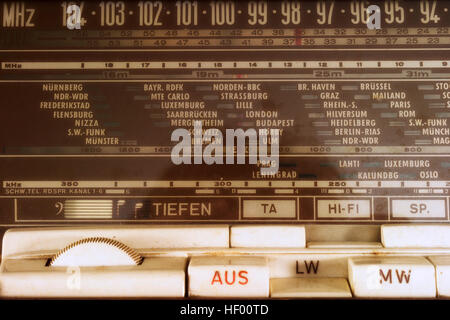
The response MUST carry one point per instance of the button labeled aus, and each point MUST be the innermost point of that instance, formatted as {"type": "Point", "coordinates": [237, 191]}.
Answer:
{"type": "Point", "coordinates": [228, 277]}
{"type": "Point", "coordinates": [269, 209]}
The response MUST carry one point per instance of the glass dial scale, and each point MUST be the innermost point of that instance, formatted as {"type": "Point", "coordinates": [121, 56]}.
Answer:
{"type": "Point", "coordinates": [93, 94]}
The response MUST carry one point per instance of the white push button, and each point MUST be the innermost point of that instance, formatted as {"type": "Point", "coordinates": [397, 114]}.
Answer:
{"type": "Point", "coordinates": [100, 261]}
{"type": "Point", "coordinates": [401, 277]}
{"type": "Point", "coordinates": [228, 277]}
{"type": "Point", "coordinates": [22, 241]}
{"type": "Point", "coordinates": [442, 265]}
{"type": "Point", "coordinates": [309, 288]}
{"type": "Point", "coordinates": [273, 236]}
{"type": "Point", "coordinates": [343, 245]}
{"type": "Point", "coordinates": [156, 277]}
{"type": "Point", "coordinates": [415, 235]}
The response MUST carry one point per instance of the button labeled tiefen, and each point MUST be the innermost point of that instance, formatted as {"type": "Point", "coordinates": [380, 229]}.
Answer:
{"type": "Point", "coordinates": [228, 277]}
{"type": "Point", "coordinates": [418, 208]}
{"type": "Point", "coordinates": [343, 208]}
{"type": "Point", "coordinates": [269, 209]}
{"type": "Point", "coordinates": [385, 277]}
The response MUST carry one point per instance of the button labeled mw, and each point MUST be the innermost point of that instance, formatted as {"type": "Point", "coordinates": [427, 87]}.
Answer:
{"type": "Point", "coordinates": [385, 277]}
{"type": "Point", "coordinates": [269, 209]}
{"type": "Point", "coordinates": [228, 277]}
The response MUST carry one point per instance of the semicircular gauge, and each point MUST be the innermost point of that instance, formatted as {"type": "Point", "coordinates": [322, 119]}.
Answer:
{"type": "Point", "coordinates": [96, 251]}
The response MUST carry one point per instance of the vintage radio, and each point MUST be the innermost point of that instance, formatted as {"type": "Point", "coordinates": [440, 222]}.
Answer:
{"type": "Point", "coordinates": [225, 149]}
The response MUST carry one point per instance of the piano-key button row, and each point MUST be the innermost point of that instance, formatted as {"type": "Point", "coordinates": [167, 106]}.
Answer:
{"type": "Point", "coordinates": [260, 261]}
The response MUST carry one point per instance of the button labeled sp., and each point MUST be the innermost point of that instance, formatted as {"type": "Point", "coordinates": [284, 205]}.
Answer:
{"type": "Point", "coordinates": [418, 208]}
